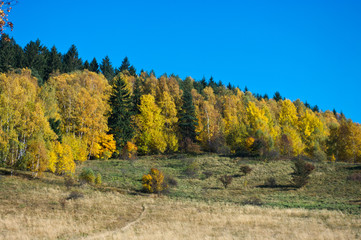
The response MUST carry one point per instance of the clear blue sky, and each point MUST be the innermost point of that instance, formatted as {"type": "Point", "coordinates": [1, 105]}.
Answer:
{"type": "Point", "coordinates": [305, 49]}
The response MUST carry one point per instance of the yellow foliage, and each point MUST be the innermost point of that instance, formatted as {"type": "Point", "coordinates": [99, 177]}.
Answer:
{"type": "Point", "coordinates": [83, 104]}
{"type": "Point", "coordinates": [249, 143]}
{"type": "Point", "coordinates": [61, 159]}
{"type": "Point", "coordinates": [150, 123]}
{"type": "Point", "coordinates": [104, 146]}
{"type": "Point", "coordinates": [154, 181]}
{"type": "Point", "coordinates": [78, 147]}
{"type": "Point", "coordinates": [130, 150]}
{"type": "Point", "coordinates": [288, 114]}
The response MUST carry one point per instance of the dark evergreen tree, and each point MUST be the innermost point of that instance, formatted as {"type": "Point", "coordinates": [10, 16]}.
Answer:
{"type": "Point", "coordinates": [132, 71]}
{"type": "Point", "coordinates": [7, 53]}
{"type": "Point", "coordinates": [315, 108]}
{"type": "Point", "coordinates": [245, 89]}
{"type": "Point", "coordinates": [230, 86]}
{"type": "Point", "coordinates": [71, 60]}
{"type": "Point", "coordinates": [53, 62]}
{"type": "Point", "coordinates": [187, 117]}
{"type": "Point", "coordinates": [334, 112]}
{"type": "Point", "coordinates": [265, 96]}
{"type": "Point", "coordinates": [119, 121]}
{"type": "Point", "coordinates": [107, 69]}
{"type": "Point", "coordinates": [277, 96]}
{"type": "Point", "coordinates": [212, 84]}
{"type": "Point", "coordinates": [86, 65]}
{"type": "Point", "coordinates": [136, 96]}
{"type": "Point", "coordinates": [307, 105]}
{"type": "Point", "coordinates": [19, 59]}
{"type": "Point", "coordinates": [55, 126]}
{"type": "Point", "coordinates": [94, 67]}
{"type": "Point", "coordinates": [35, 56]}
{"type": "Point", "coordinates": [200, 85]}
{"type": "Point", "coordinates": [125, 65]}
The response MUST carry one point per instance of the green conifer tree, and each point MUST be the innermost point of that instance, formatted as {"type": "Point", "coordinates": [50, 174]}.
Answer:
{"type": "Point", "coordinates": [187, 116]}
{"type": "Point", "coordinates": [71, 60]}
{"type": "Point", "coordinates": [53, 62]}
{"type": "Point", "coordinates": [107, 69]}
{"type": "Point", "coordinates": [119, 121]}
{"type": "Point", "coordinates": [94, 67]}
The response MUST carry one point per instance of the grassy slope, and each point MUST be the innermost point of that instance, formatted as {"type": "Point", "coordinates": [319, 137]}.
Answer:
{"type": "Point", "coordinates": [328, 187]}
{"type": "Point", "coordinates": [198, 208]}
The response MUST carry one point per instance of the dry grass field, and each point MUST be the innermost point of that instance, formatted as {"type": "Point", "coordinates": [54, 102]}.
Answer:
{"type": "Point", "coordinates": [41, 209]}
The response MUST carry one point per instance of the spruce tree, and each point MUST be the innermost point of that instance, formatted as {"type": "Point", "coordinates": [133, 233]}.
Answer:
{"type": "Point", "coordinates": [36, 59]}
{"type": "Point", "coordinates": [119, 121]}
{"type": "Point", "coordinates": [94, 67]}
{"type": "Point", "coordinates": [132, 71]}
{"type": "Point", "coordinates": [53, 62]}
{"type": "Point", "coordinates": [86, 65]}
{"type": "Point", "coordinates": [107, 69]}
{"type": "Point", "coordinates": [136, 96]}
{"type": "Point", "coordinates": [71, 60]}
{"type": "Point", "coordinates": [277, 96]}
{"type": "Point", "coordinates": [125, 65]}
{"type": "Point", "coordinates": [187, 116]}
{"type": "Point", "coordinates": [7, 56]}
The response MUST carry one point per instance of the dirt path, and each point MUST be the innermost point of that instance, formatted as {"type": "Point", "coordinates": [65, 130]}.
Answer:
{"type": "Point", "coordinates": [107, 234]}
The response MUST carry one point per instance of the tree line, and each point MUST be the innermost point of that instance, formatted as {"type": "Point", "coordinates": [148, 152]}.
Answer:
{"type": "Point", "coordinates": [56, 110]}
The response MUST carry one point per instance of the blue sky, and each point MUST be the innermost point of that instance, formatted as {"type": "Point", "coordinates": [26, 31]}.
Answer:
{"type": "Point", "coordinates": [309, 50]}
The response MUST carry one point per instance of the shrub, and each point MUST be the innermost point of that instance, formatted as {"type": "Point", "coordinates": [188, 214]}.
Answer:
{"type": "Point", "coordinates": [301, 172]}
{"type": "Point", "coordinates": [87, 176]}
{"type": "Point", "coordinates": [270, 182]}
{"type": "Point", "coordinates": [129, 151]}
{"type": "Point", "coordinates": [226, 180]}
{"type": "Point", "coordinates": [189, 146]}
{"type": "Point", "coordinates": [98, 179]}
{"type": "Point", "coordinates": [208, 174]}
{"type": "Point", "coordinates": [75, 195]}
{"type": "Point", "coordinates": [171, 181]}
{"type": "Point", "coordinates": [154, 181]}
{"type": "Point", "coordinates": [320, 155]}
{"type": "Point", "coordinates": [245, 169]}
{"type": "Point", "coordinates": [355, 177]}
{"type": "Point", "coordinates": [192, 169]}
{"type": "Point", "coordinates": [69, 181]}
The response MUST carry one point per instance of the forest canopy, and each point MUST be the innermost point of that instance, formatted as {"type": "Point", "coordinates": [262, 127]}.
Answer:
{"type": "Point", "coordinates": [56, 111]}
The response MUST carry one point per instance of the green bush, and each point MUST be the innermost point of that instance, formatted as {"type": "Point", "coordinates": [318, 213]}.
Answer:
{"type": "Point", "coordinates": [98, 179]}
{"type": "Point", "coordinates": [301, 172]}
{"type": "Point", "coordinates": [192, 169]}
{"type": "Point", "coordinates": [87, 176]}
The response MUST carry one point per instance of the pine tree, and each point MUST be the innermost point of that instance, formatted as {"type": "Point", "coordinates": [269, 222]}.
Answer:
{"type": "Point", "coordinates": [71, 60]}
{"type": "Point", "coordinates": [125, 65]}
{"type": "Point", "coordinates": [94, 67]}
{"type": "Point", "coordinates": [6, 53]}
{"type": "Point", "coordinates": [132, 71]}
{"type": "Point", "coordinates": [119, 121]}
{"type": "Point", "coordinates": [53, 62]}
{"type": "Point", "coordinates": [136, 96]}
{"type": "Point", "coordinates": [107, 69]}
{"type": "Point", "coordinates": [277, 96]}
{"type": "Point", "coordinates": [187, 116]}
{"type": "Point", "coordinates": [36, 59]}
{"type": "Point", "coordinates": [86, 65]}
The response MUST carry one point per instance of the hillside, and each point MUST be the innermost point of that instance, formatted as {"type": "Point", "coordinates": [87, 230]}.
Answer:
{"type": "Point", "coordinates": [197, 207]}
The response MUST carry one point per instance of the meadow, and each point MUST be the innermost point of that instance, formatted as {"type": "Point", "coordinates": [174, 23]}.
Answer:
{"type": "Point", "coordinates": [196, 206]}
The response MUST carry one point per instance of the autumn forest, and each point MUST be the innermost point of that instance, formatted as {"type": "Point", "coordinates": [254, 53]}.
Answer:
{"type": "Point", "coordinates": [57, 110]}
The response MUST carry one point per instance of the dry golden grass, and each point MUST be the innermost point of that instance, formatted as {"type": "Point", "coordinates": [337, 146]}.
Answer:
{"type": "Point", "coordinates": [32, 209]}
